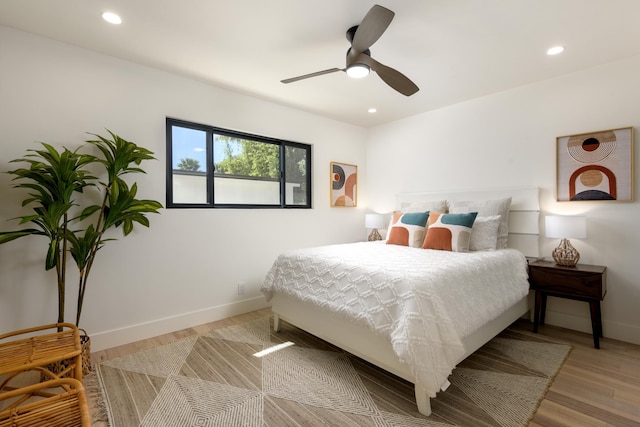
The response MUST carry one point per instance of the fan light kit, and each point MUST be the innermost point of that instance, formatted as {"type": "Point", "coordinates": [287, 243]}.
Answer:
{"type": "Point", "coordinates": [357, 71]}
{"type": "Point", "coordinates": [359, 60]}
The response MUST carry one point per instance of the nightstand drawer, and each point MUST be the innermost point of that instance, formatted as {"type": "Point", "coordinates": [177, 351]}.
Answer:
{"type": "Point", "coordinates": [575, 283]}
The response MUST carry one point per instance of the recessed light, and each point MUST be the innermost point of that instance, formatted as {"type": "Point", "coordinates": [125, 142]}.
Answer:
{"type": "Point", "coordinates": [555, 50]}
{"type": "Point", "coordinates": [112, 18]}
{"type": "Point", "coordinates": [372, 110]}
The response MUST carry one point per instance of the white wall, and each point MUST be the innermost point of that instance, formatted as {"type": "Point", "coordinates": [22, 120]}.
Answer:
{"type": "Point", "coordinates": [509, 139]}
{"type": "Point", "coordinates": [185, 268]}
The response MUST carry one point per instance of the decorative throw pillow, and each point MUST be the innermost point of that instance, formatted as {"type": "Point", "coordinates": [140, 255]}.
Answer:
{"type": "Point", "coordinates": [484, 233]}
{"type": "Point", "coordinates": [407, 229]}
{"type": "Point", "coordinates": [488, 208]}
{"type": "Point", "coordinates": [449, 232]}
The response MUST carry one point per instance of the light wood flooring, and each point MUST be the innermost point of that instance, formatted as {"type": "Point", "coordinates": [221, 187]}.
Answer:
{"type": "Point", "coordinates": [595, 387]}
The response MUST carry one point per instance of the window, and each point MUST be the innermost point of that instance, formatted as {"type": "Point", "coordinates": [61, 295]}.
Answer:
{"type": "Point", "coordinates": [219, 168]}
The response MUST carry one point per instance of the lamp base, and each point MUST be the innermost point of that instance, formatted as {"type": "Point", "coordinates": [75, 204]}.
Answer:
{"type": "Point", "coordinates": [374, 235]}
{"type": "Point", "coordinates": [565, 254]}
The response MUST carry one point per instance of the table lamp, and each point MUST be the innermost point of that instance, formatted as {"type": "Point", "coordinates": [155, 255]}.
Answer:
{"type": "Point", "coordinates": [374, 221]}
{"type": "Point", "coordinates": [565, 228]}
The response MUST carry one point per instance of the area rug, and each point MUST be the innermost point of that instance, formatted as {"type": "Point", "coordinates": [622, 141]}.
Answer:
{"type": "Point", "coordinates": [216, 379]}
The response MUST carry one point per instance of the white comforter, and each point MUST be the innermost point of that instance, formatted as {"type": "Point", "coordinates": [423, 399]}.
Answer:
{"type": "Point", "coordinates": [424, 301]}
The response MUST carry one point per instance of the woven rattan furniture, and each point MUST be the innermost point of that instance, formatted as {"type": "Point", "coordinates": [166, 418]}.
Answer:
{"type": "Point", "coordinates": [51, 403]}
{"type": "Point", "coordinates": [37, 347]}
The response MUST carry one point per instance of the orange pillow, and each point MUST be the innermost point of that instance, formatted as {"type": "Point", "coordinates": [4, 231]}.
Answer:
{"type": "Point", "coordinates": [449, 232]}
{"type": "Point", "coordinates": [407, 229]}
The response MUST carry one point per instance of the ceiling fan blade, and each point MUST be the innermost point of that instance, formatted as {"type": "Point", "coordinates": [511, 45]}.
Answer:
{"type": "Point", "coordinates": [393, 78]}
{"type": "Point", "coordinates": [374, 23]}
{"type": "Point", "coordinates": [306, 76]}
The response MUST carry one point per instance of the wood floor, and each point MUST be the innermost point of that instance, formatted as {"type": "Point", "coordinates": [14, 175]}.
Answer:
{"type": "Point", "coordinates": [595, 387]}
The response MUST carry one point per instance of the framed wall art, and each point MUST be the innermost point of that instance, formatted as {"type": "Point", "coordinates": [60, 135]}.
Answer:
{"type": "Point", "coordinates": [344, 185]}
{"type": "Point", "coordinates": [595, 166]}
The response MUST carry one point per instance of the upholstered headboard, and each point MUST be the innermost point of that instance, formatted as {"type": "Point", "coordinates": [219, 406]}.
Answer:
{"type": "Point", "coordinates": [524, 213]}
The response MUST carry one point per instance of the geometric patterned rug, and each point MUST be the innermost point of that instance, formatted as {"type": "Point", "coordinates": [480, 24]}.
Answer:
{"type": "Point", "coordinates": [216, 379]}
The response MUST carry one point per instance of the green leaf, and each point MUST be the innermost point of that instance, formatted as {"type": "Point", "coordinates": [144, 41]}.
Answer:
{"type": "Point", "coordinates": [87, 212]}
{"type": "Point", "coordinates": [119, 155]}
{"type": "Point", "coordinates": [52, 255]}
{"type": "Point", "coordinates": [83, 246]}
{"type": "Point", "coordinates": [128, 226]}
{"type": "Point", "coordinates": [7, 236]}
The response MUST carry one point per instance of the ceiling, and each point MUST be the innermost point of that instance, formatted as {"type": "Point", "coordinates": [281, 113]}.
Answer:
{"type": "Point", "coordinates": [454, 50]}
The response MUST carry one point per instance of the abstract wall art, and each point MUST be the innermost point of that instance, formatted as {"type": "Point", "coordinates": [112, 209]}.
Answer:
{"type": "Point", "coordinates": [595, 166]}
{"type": "Point", "coordinates": [344, 185]}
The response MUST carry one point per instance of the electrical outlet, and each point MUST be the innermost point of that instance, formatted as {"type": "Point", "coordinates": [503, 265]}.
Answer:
{"type": "Point", "coordinates": [241, 288]}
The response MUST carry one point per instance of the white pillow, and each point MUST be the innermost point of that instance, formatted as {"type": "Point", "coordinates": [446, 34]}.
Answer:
{"type": "Point", "coordinates": [424, 205]}
{"type": "Point", "coordinates": [484, 233]}
{"type": "Point", "coordinates": [487, 208]}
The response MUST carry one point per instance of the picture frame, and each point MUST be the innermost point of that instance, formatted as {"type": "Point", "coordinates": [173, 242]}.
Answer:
{"type": "Point", "coordinates": [344, 185]}
{"type": "Point", "coordinates": [595, 166]}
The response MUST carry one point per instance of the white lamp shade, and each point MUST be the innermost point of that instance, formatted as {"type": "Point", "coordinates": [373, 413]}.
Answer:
{"type": "Point", "coordinates": [372, 220]}
{"type": "Point", "coordinates": [565, 227]}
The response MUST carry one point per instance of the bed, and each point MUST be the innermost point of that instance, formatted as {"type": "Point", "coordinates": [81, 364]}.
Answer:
{"type": "Point", "coordinates": [411, 311]}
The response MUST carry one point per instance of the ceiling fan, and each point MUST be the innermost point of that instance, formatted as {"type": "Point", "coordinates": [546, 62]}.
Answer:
{"type": "Point", "coordinates": [359, 60]}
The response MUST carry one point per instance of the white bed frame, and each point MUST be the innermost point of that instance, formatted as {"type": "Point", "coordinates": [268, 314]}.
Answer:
{"type": "Point", "coordinates": [364, 343]}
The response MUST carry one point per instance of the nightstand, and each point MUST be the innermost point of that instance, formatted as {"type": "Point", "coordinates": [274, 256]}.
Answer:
{"type": "Point", "coordinates": [582, 282]}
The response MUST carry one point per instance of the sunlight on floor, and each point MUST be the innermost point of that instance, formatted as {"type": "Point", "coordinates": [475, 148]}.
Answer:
{"type": "Point", "coordinates": [274, 348]}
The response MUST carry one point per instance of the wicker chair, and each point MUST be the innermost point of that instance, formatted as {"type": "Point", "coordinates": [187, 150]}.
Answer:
{"type": "Point", "coordinates": [37, 347]}
{"type": "Point", "coordinates": [51, 403]}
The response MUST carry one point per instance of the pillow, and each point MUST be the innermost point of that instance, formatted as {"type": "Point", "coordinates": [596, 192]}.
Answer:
{"type": "Point", "coordinates": [407, 229]}
{"type": "Point", "coordinates": [449, 232]}
{"type": "Point", "coordinates": [487, 208]}
{"type": "Point", "coordinates": [484, 233]}
{"type": "Point", "coordinates": [424, 205]}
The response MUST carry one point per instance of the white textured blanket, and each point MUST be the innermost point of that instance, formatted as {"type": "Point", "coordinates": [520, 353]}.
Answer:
{"type": "Point", "coordinates": [424, 301]}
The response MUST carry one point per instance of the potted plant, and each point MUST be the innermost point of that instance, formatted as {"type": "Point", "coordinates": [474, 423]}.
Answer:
{"type": "Point", "coordinates": [72, 218]}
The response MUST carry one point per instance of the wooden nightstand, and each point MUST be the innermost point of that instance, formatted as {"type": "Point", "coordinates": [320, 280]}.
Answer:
{"type": "Point", "coordinates": [582, 282]}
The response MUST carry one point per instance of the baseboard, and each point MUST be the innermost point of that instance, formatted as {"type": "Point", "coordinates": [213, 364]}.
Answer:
{"type": "Point", "coordinates": [141, 331]}
{"type": "Point", "coordinates": [129, 334]}
{"type": "Point", "coordinates": [613, 330]}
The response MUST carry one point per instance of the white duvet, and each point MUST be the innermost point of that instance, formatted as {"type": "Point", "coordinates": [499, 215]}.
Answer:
{"type": "Point", "coordinates": [425, 301]}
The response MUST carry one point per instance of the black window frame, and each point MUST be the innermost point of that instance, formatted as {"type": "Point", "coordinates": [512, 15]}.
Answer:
{"type": "Point", "coordinates": [210, 169]}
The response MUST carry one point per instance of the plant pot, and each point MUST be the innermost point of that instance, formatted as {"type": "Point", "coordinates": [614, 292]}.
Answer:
{"type": "Point", "coordinates": [57, 367]}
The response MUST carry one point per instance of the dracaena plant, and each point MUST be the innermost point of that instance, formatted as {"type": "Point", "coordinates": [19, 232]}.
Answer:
{"type": "Point", "coordinates": [68, 216]}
